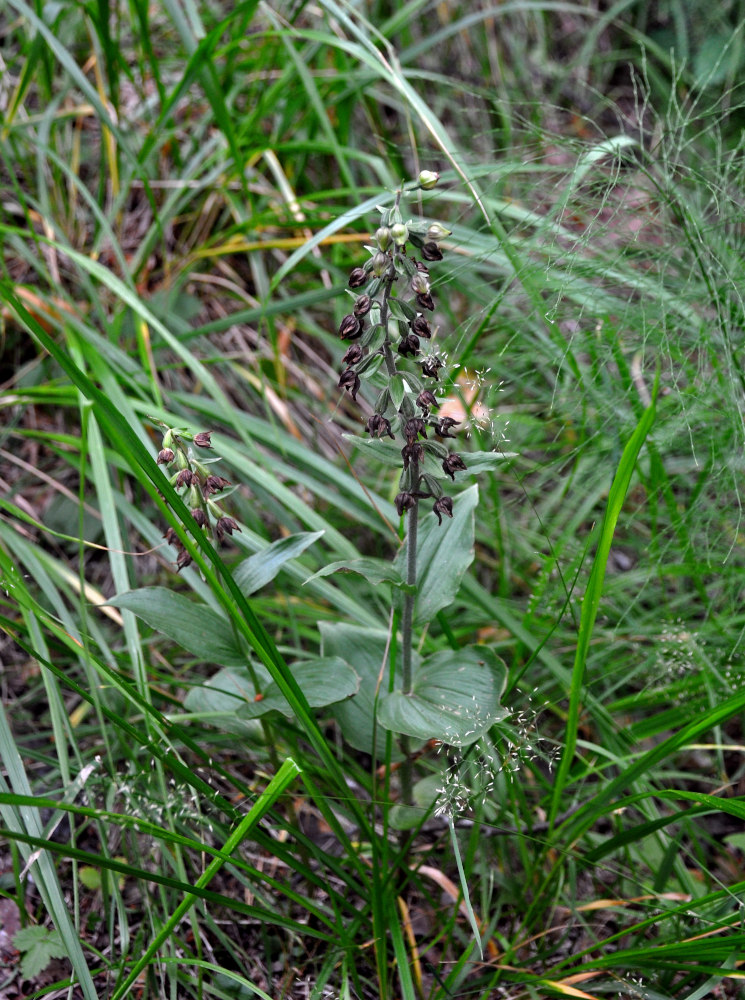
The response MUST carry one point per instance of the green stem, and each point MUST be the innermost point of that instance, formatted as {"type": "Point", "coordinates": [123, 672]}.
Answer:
{"type": "Point", "coordinates": [407, 631]}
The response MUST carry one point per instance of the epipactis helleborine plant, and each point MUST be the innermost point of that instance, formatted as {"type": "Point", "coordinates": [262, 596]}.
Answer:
{"type": "Point", "coordinates": [387, 333]}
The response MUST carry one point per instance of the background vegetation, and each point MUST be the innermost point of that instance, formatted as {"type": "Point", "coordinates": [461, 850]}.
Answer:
{"type": "Point", "coordinates": [184, 189]}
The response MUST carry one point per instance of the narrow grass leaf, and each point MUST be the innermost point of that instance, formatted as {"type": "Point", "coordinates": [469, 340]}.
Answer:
{"type": "Point", "coordinates": [592, 597]}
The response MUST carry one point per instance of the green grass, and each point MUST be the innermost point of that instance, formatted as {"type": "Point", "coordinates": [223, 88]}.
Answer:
{"type": "Point", "coordinates": [184, 190]}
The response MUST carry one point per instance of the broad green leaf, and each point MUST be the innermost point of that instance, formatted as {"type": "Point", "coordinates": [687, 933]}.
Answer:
{"type": "Point", "coordinates": [454, 698]}
{"type": "Point", "coordinates": [401, 310]}
{"type": "Point", "coordinates": [444, 553]}
{"type": "Point", "coordinates": [39, 947]}
{"type": "Point", "coordinates": [483, 461]}
{"type": "Point", "coordinates": [232, 699]}
{"type": "Point", "coordinates": [259, 569]}
{"type": "Point", "coordinates": [323, 681]}
{"type": "Point", "coordinates": [396, 387]}
{"type": "Point", "coordinates": [425, 793]}
{"type": "Point", "coordinates": [364, 649]}
{"type": "Point", "coordinates": [375, 571]}
{"type": "Point", "coordinates": [194, 626]}
{"type": "Point", "coordinates": [219, 699]}
{"type": "Point", "coordinates": [384, 450]}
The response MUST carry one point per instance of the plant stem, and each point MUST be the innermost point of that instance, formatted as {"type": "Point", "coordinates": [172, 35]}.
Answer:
{"type": "Point", "coordinates": [407, 630]}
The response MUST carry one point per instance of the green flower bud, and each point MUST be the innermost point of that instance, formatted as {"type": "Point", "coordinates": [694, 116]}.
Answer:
{"type": "Point", "coordinates": [427, 179]}
{"type": "Point", "coordinates": [383, 237]}
{"type": "Point", "coordinates": [380, 264]}
{"type": "Point", "coordinates": [437, 232]}
{"type": "Point", "coordinates": [419, 284]}
{"type": "Point", "coordinates": [400, 234]}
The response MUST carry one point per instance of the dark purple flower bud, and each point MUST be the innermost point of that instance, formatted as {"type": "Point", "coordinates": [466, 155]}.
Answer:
{"type": "Point", "coordinates": [214, 484]}
{"type": "Point", "coordinates": [362, 305]}
{"type": "Point", "coordinates": [199, 516]}
{"type": "Point", "coordinates": [452, 464]}
{"type": "Point", "coordinates": [443, 426]}
{"type": "Point", "coordinates": [358, 277]}
{"type": "Point", "coordinates": [412, 452]}
{"type": "Point", "coordinates": [408, 345]}
{"type": "Point", "coordinates": [443, 505]}
{"type": "Point", "coordinates": [425, 302]}
{"type": "Point", "coordinates": [184, 477]}
{"type": "Point", "coordinates": [431, 251]}
{"type": "Point", "coordinates": [426, 399]}
{"type": "Point", "coordinates": [166, 456]}
{"type": "Point", "coordinates": [202, 440]}
{"type": "Point", "coordinates": [171, 537]}
{"type": "Point", "coordinates": [413, 427]}
{"type": "Point", "coordinates": [183, 560]}
{"type": "Point", "coordinates": [430, 366]}
{"type": "Point", "coordinates": [350, 381]}
{"type": "Point", "coordinates": [225, 526]}
{"type": "Point", "coordinates": [354, 355]}
{"type": "Point", "coordinates": [420, 327]}
{"type": "Point", "coordinates": [421, 268]}
{"type": "Point", "coordinates": [404, 501]}
{"type": "Point", "coordinates": [350, 327]}
{"type": "Point", "coordinates": [377, 426]}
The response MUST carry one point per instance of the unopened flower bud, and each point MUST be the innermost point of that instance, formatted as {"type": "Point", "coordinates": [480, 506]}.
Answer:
{"type": "Point", "coordinates": [362, 305]}
{"type": "Point", "coordinates": [199, 516]}
{"type": "Point", "coordinates": [354, 355]}
{"type": "Point", "coordinates": [225, 526]}
{"type": "Point", "coordinates": [443, 427]}
{"type": "Point", "coordinates": [430, 366]}
{"type": "Point", "coordinates": [358, 277]}
{"type": "Point", "coordinates": [383, 237]}
{"type": "Point", "coordinates": [425, 302]}
{"type": "Point", "coordinates": [419, 284]}
{"type": "Point", "coordinates": [412, 451]}
{"type": "Point", "coordinates": [170, 536]}
{"type": "Point", "coordinates": [443, 505]}
{"type": "Point", "coordinates": [183, 560]}
{"type": "Point", "coordinates": [437, 232]}
{"type": "Point", "coordinates": [166, 456]}
{"type": "Point", "coordinates": [452, 464]}
{"type": "Point", "coordinates": [400, 233]}
{"type": "Point", "coordinates": [404, 501]}
{"type": "Point", "coordinates": [377, 426]}
{"type": "Point", "coordinates": [214, 484]}
{"type": "Point", "coordinates": [408, 345]}
{"type": "Point", "coordinates": [426, 399]}
{"type": "Point", "coordinates": [431, 251]}
{"type": "Point", "coordinates": [380, 264]}
{"type": "Point", "coordinates": [350, 327]}
{"type": "Point", "coordinates": [202, 440]}
{"type": "Point", "coordinates": [427, 179]}
{"type": "Point", "coordinates": [420, 327]}
{"type": "Point", "coordinates": [413, 428]}
{"type": "Point", "coordinates": [350, 381]}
